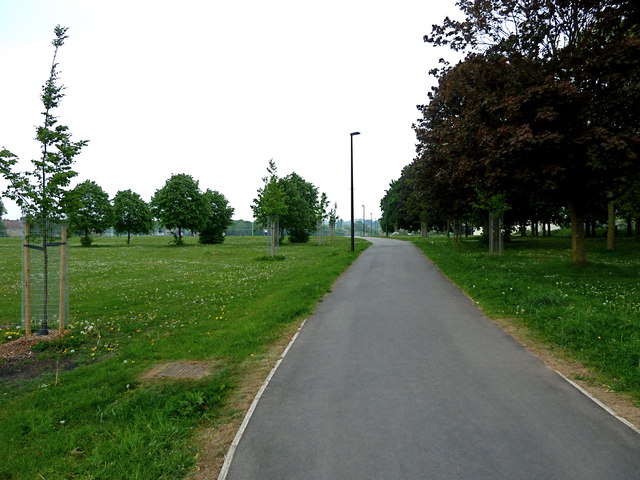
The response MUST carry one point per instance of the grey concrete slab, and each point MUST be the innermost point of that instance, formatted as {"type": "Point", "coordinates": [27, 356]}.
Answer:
{"type": "Point", "coordinates": [398, 376]}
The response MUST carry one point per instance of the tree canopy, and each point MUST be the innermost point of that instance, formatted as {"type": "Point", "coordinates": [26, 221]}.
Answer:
{"type": "Point", "coordinates": [131, 214]}
{"type": "Point", "coordinates": [179, 205]}
{"type": "Point", "coordinates": [302, 204]}
{"type": "Point", "coordinates": [540, 112]}
{"type": "Point", "coordinates": [39, 193]}
{"type": "Point", "coordinates": [88, 210]}
{"type": "Point", "coordinates": [292, 200]}
{"type": "Point", "coordinates": [219, 218]}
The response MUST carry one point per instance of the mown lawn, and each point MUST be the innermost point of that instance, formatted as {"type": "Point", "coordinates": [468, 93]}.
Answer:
{"type": "Point", "coordinates": [133, 307]}
{"type": "Point", "coordinates": [592, 312]}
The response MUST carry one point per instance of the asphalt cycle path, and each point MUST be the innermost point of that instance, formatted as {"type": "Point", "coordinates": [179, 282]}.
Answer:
{"type": "Point", "coordinates": [397, 375]}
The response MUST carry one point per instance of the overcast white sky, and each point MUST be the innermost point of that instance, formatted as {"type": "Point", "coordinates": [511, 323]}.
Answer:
{"type": "Point", "coordinates": [215, 89]}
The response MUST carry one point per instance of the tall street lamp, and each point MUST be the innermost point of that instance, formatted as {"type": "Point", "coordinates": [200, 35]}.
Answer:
{"type": "Point", "coordinates": [364, 222]}
{"type": "Point", "coordinates": [352, 222]}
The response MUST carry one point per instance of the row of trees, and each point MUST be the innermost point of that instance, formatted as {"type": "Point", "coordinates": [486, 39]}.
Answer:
{"type": "Point", "coordinates": [179, 206]}
{"type": "Point", "coordinates": [539, 121]}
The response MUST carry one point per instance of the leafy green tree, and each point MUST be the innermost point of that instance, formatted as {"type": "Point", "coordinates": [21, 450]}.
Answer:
{"type": "Point", "coordinates": [39, 193]}
{"type": "Point", "coordinates": [219, 217]}
{"type": "Point", "coordinates": [302, 199]}
{"type": "Point", "coordinates": [400, 206]}
{"type": "Point", "coordinates": [292, 200]}
{"type": "Point", "coordinates": [179, 205]}
{"type": "Point", "coordinates": [321, 216]}
{"type": "Point", "coordinates": [333, 219]}
{"type": "Point", "coordinates": [546, 98]}
{"type": "Point", "coordinates": [271, 203]}
{"type": "Point", "coordinates": [321, 211]}
{"type": "Point", "coordinates": [89, 210]}
{"type": "Point", "coordinates": [131, 214]}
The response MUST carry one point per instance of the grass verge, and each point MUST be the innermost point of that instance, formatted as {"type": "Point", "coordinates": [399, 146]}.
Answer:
{"type": "Point", "coordinates": [591, 312]}
{"type": "Point", "coordinates": [131, 309]}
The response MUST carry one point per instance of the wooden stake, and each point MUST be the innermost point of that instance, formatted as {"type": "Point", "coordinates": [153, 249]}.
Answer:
{"type": "Point", "coordinates": [27, 281]}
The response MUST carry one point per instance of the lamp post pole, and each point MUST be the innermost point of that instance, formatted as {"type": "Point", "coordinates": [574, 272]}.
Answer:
{"type": "Point", "coordinates": [364, 223]}
{"type": "Point", "coordinates": [352, 221]}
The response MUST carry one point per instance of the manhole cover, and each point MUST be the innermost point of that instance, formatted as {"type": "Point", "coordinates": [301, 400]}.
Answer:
{"type": "Point", "coordinates": [191, 370]}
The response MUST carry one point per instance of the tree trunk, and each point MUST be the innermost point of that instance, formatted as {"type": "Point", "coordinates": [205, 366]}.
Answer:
{"type": "Point", "coordinates": [637, 228]}
{"type": "Point", "coordinates": [629, 226]}
{"type": "Point", "coordinates": [578, 253]}
{"type": "Point", "coordinates": [611, 223]}
{"type": "Point", "coordinates": [128, 237]}
{"type": "Point", "coordinates": [485, 222]}
{"type": "Point", "coordinates": [273, 239]}
{"type": "Point", "coordinates": [423, 229]}
{"type": "Point", "coordinates": [523, 229]}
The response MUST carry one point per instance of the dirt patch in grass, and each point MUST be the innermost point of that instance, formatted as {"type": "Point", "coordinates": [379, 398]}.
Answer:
{"type": "Point", "coordinates": [621, 404]}
{"type": "Point", "coordinates": [19, 362]}
{"type": "Point", "coordinates": [20, 348]}
{"type": "Point", "coordinates": [214, 441]}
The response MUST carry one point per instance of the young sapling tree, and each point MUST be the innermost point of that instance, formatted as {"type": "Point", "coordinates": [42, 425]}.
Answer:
{"type": "Point", "coordinates": [39, 192]}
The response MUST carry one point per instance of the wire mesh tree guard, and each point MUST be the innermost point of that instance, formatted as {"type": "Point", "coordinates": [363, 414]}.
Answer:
{"type": "Point", "coordinates": [496, 237]}
{"type": "Point", "coordinates": [45, 298]}
{"type": "Point", "coordinates": [272, 232]}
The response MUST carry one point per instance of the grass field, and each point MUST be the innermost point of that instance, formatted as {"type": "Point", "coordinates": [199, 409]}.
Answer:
{"type": "Point", "coordinates": [132, 308]}
{"type": "Point", "coordinates": [135, 307]}
{"type": "Point", "coordinates": [591, 312]}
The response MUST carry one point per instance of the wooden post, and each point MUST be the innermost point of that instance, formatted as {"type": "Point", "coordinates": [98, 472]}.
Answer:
{"type": "Point", "coordinates": [611, 222]}
{"type": "Point", "coordinates": [273, 239]}
{"type": "Point", "coordinates": [63, 278]}
{"type": "Point", "coordinates": [27, 280]}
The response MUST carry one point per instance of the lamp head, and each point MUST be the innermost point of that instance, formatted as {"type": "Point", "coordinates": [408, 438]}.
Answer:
{"type": "Point", "coordinates": [354, 133]}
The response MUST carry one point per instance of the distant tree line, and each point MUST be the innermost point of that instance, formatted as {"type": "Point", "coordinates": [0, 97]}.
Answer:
{"type": "Point", "coordinates": [539, 122]}
{"type": "Point", "coordinates": [179, 206]}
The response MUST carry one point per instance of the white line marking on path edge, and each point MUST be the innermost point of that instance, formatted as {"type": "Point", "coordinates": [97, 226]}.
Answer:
{"type": "Point", "coordinates": [228, 458]}
{"type": "Point", "coordinates": [600, 404]}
